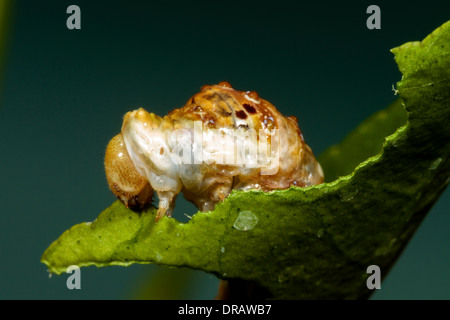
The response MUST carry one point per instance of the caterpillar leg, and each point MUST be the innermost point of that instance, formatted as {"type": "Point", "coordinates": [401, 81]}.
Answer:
{"type": "Point", "coordinates": [166, 204]}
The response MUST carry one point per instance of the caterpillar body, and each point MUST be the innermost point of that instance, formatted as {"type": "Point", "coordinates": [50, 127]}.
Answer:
{"type": "Point", "coordinates": [222, 139]}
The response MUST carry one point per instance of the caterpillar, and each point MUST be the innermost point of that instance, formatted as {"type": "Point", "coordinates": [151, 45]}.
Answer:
{"type": "Point", "coordinates": [220, 140]}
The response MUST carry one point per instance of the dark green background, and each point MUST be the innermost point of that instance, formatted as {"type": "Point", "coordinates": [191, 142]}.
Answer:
{"type": "Point", "coordinates": [65, 92]}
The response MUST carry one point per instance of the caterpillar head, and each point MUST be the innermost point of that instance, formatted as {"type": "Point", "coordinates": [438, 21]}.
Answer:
{"type": "Point", "coordinates": [123, 179]}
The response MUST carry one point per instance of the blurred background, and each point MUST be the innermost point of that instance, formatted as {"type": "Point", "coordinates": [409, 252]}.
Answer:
{"type": "Point", "coordinates": [64, 93]}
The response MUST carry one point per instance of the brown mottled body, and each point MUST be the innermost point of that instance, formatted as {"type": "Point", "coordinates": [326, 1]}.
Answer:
{"type": "Point", "coordinates": [150, 163]}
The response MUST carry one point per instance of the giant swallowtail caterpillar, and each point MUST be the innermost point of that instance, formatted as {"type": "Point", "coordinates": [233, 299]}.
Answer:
{"type": "Point", "coordinates": [222, 139]}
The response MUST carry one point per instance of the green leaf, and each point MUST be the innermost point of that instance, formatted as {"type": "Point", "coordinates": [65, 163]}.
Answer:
{"type": "Point", "coordinates": [315, 242]}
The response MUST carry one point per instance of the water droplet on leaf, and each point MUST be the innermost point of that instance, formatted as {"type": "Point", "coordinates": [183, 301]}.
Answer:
{"type": "Point", "coordinates": [435, 164]}
{"type": "Point", "coordinates": [246, 221]}
{"type": "Point", "coordinates": [320, 233]}
{"type": "Point", "coordinates": [348, 195]}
